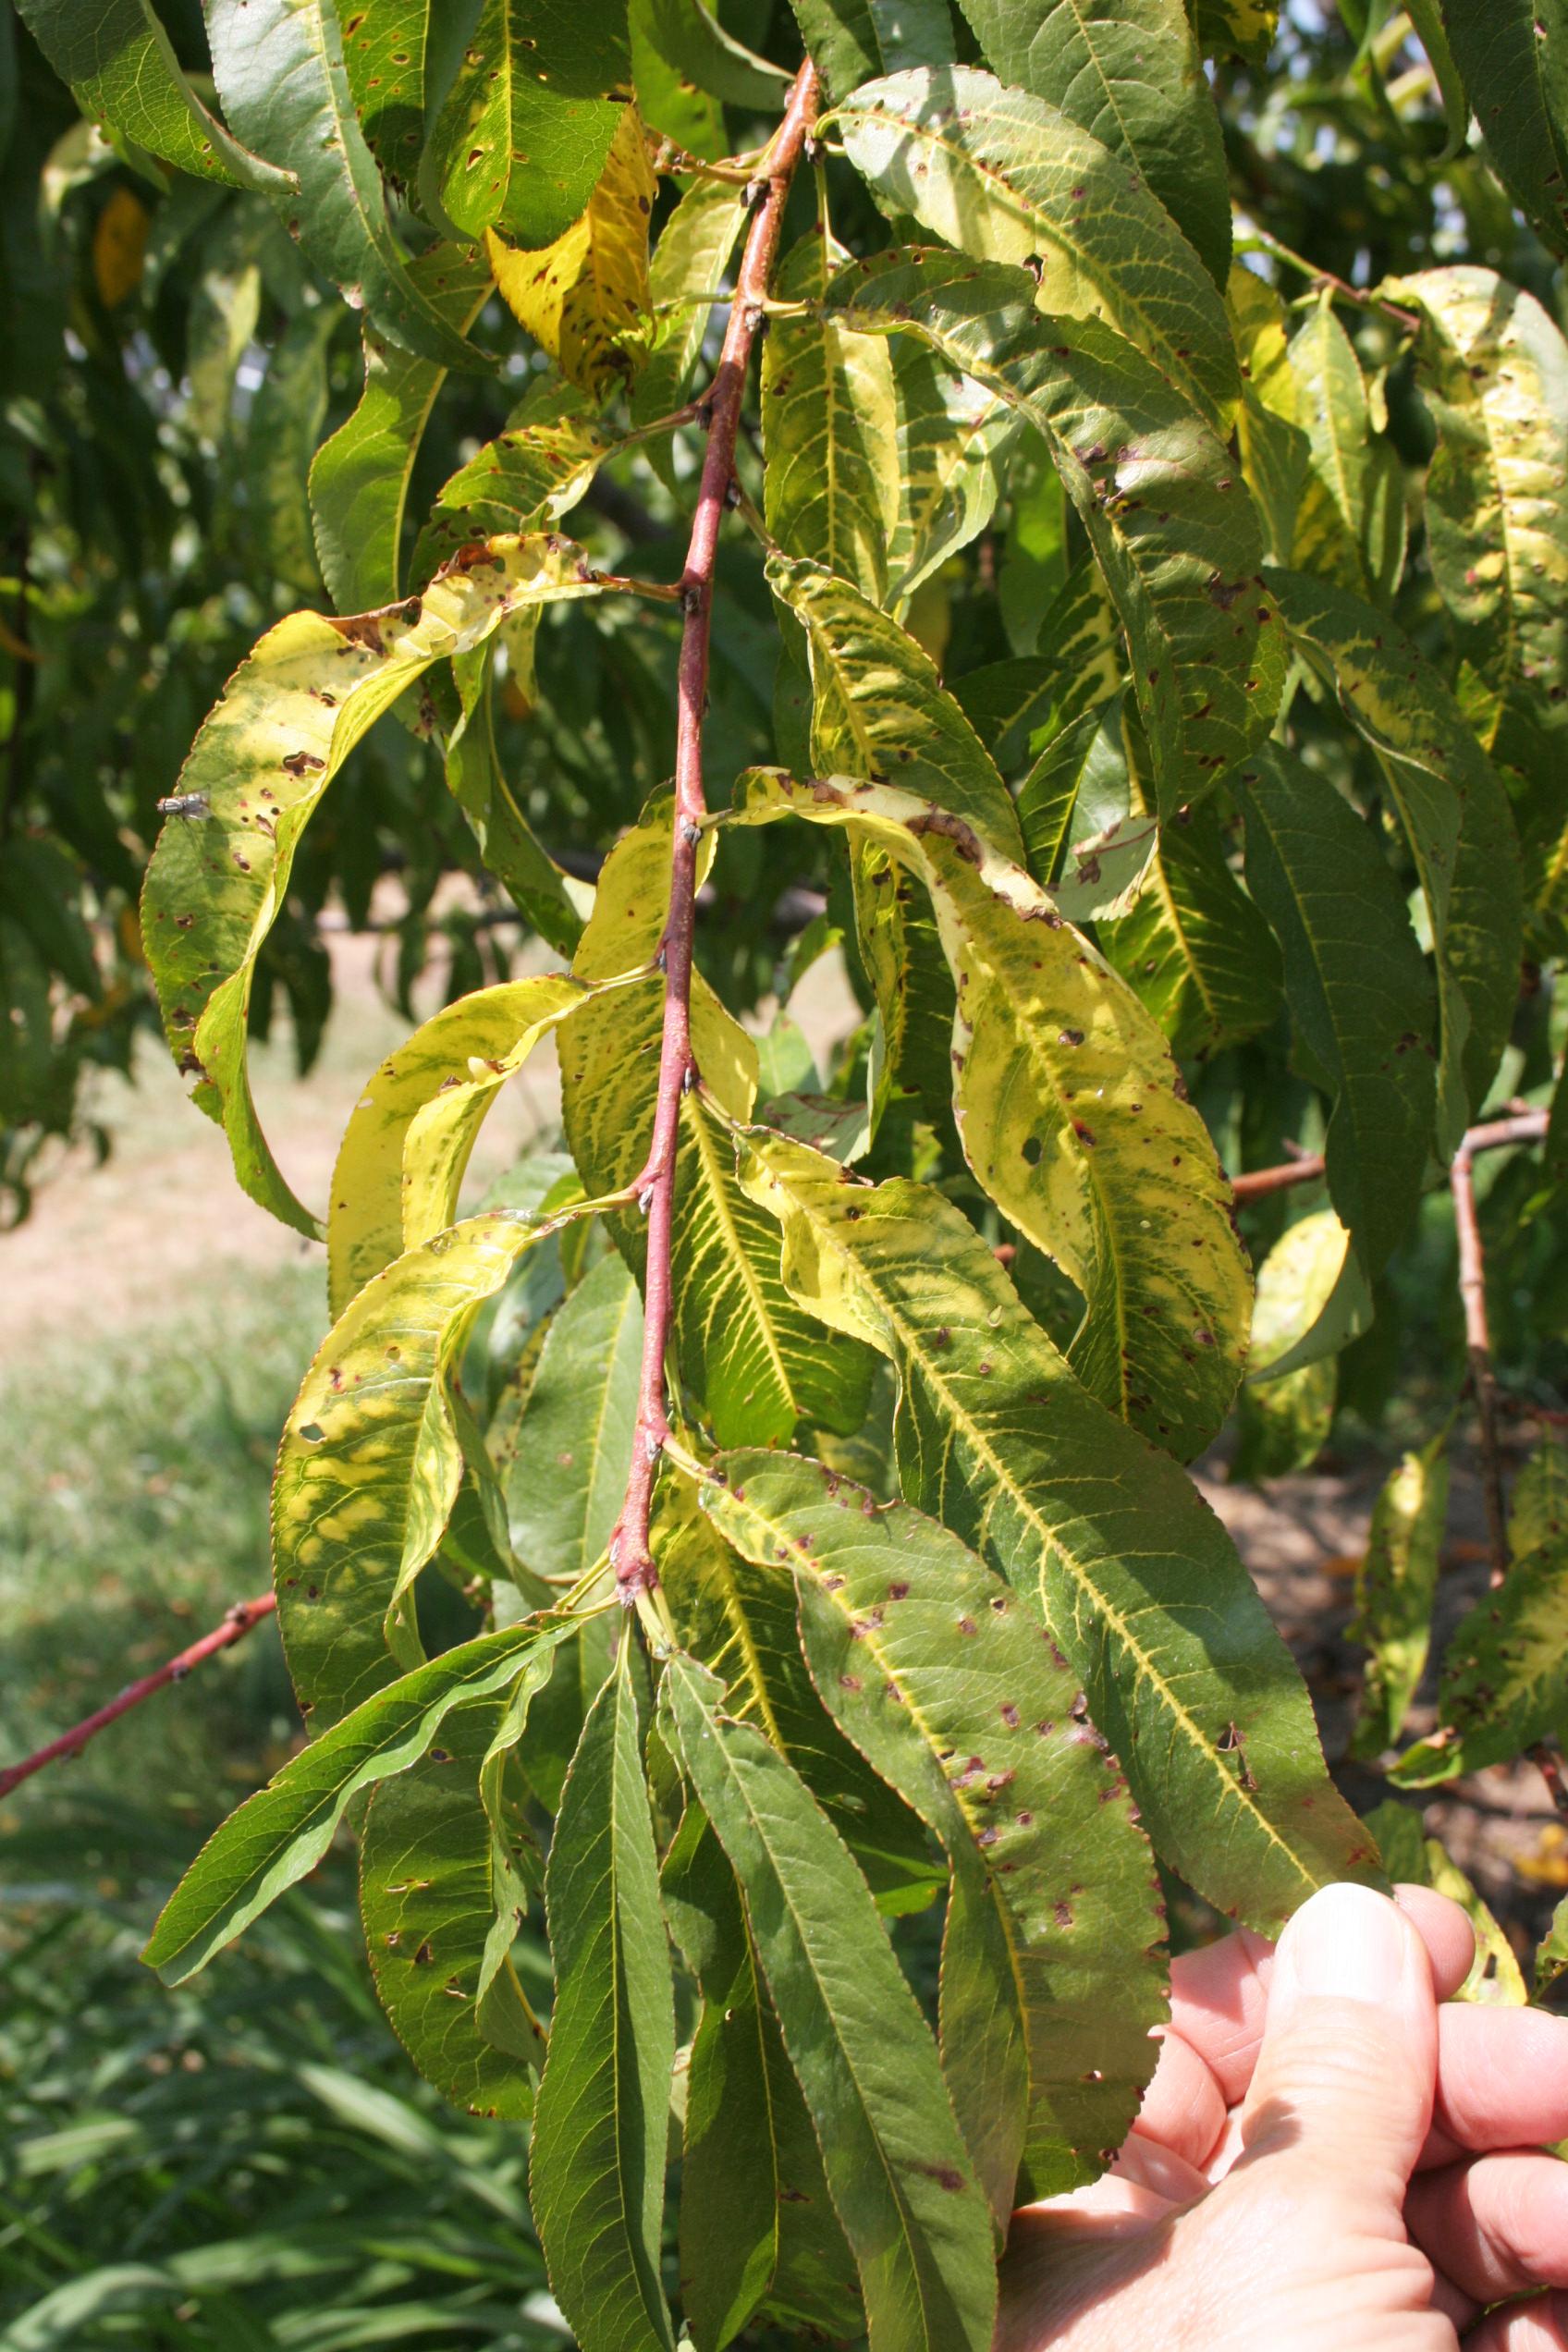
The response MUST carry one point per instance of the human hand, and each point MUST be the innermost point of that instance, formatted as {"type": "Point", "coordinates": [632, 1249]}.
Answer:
{"type": "Point", "coordinates": [1326, 2161]}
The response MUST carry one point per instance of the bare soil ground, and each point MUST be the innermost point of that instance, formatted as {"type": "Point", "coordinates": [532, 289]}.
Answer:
{"type": "Point", "coordinates": [131, 1245]}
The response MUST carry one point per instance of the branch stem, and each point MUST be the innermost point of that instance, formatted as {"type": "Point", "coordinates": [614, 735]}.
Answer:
{"type": "Point", "coordinates": [235, 1626]}
{"type": "Point", "coordinates": [1524, 1127]}
{"type": "Point", "coordinates": [677, 1071]}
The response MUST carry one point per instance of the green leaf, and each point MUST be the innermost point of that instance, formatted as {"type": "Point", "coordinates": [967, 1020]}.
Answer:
{"type": "Point", "coordinates": [584, 299]}
{"type": "Point", "coordinates": [1358, 990]}
{"type": "Point", "coordinates": [1080, 768]}
{"type": "Point", "coordinates": [830, 470]}
{"type": "Point", "coordinates": [1139, 1583]}
{"type": "Point", "coordinates": [404, 1151]}
{"type": "Point", "coordinates": [429, 1900]}
{"type": "Point", "coordinates": [952, 434]}
{"type": "Point", "coordinates": [1240, 28]}
{"type": "Point", "coordinates": [384, 52]}
{"type": "Point", "coordinates": [1287, 1407]}
{"type": "Point", "coordinates": [1551, 1956]}
{"type": "Point", "coordinates": [278, 1835]}
{"type": "Point", "coordinates": [1331, 405]}
{"type": "Point", "coordinates": [1006, 177]}
{"type": "Point", "coordinates": [1504, 1682]}
{"type": "Point", "coordinates": [691, 259]}
{"type": "Point", "coordinates": [524, 129]}
{"type": "Point", "coordinates": [1129, 74]}
{"type": "Point", "coordinates": [1538, 1510]}
{"type": "Point", "coordinates": [285, 419]}
{"type": "Point", "coordinates": [360, 475]}
{"type": "Point", "coordinates": [1194, 946]}
{"type": "Point", "coordinates": [255, 774]}
{"type": "Point", "coordinates": [123, 71]}
{"type": "Point", "coordinates": [1493, 367]}
{"type": "Point", "coordinates": [1071, 1114]}
{"type": "Point", "coordinates": [1455, 817]}
{"type": "Point", "coordinates": [279, 66]}
{"type": "Point", "coordinates": [1018, 707]}
{"type": "Point", "coordinates": [667, 100]}
{"type": "Point", "coordinates": [1276, 452]}
{"type": "Point", "coordinates": [1415, 1860]}
{"type": "Point", "coordinates": [751, 1355]}
{"type": "Point", "coordinates": [1512, 60]}
{"type": "Point", "coordinates": [371, 1458]}
{"type": "Point", "coordinates": [1052, 1969]}
{"type": "Point", "coordinates": [740, 1618]}
{"type": "Point", "coordinates": [512, 852]}
{"type": "Point", "coordinates": [690, 38]}
{"type": "Point", "coordinates": [1426, 18]}
{"type": "Point", "coordinates": [1394, 1588]}
{"type": "Point", "coordinates": [1167, 515]}
{"type": "Point", "coordinates": [573, 1446]}
{"type": "Point", "coordinates": [880, 709]}
{"type": "Point", "coordinates": [601, 2123]}
{"type": "Point", "coordinates": [896, 2165]}
{"type": "Point", "coordinates": [758, 2232]}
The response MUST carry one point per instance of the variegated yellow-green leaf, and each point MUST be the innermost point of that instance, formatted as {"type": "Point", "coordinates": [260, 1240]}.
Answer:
{"type": "Point", "coordinates": [291, 716]}
{"type": "Point", "coordinates": [690, 261]}
{"type": "Point", "coordinates": [1006, 177]}
{"type": "Point", "coordinates": [573, 1444]}
{"type": "Point", "coordinates": [1551, 1956]}
{"type": "Point", "coordinates": [953, 435]}
{"type": "Point", "coordinates": [831, 469]}
{"type": "Point", "coordinates": [524, 130]}
{"type": "Point", "coordinates": [1237, 28]}
{"type": "Point", "coordinates": [371, 1458]}
{"type": "Point", "coordinates": [749, 1353]}
{"type": "Point", "coordinates": [1504, 1679]}
{"type": "Point", "coordinates": [1193, 947]}
{"type": "Point", "coordinates": [738, 1615]}
{"type": "Point", "coordinates": [1081, 768]}
{"type": "Point", "coordinates": [1455, 817]}
{"type": "Point", "coordinates": [897, 2168]}
{"type": "Point", "coordinates": [460, 712]}
{"type": "Point", "coordinates": [1129, 73]}
{"type": "Point", "coordinates": [934, 1669]}
{"type": "Point", "coordinates": [1494, 369]}
{"type": "Point", "coordinates": [601, 2121]}
{"type": "Point", "coordinates": [1276, 453]}
{"type": "Point", "coordinates": [1331, 405]}
{"type": "Point", "coordinates": [1166, 510]}
{"type": "Point", "coordinates": [1395, 1587]}
{"type": "Point", "coordinates": [1538, 1509]}
{"type": "Point", "coordinates": [1139, 1583]}
{"type": "Point", "coordinates": [428, 1900]}
{"type": "Point", "coordinates": [536, 470]}
{"type": "Point", "coordinates": [1072, 1115]}
{"type": "Point", "coordinates": [1417, 1860]}
{"type": "Point", "coordinates": [584, 299]}
{"type": "Point", "coordinates": [408, 1141]}
{"type": "Point", "coordinates": [1287, 1407]}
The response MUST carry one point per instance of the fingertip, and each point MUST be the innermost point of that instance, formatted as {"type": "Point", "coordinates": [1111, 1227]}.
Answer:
{"type": "Point", "coordinates": [1445, 1930]}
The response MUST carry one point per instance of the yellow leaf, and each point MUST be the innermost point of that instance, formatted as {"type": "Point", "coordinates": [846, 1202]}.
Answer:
{"type": "Point", "coordinates": [586, 299]}
{"type": "Point", "coordinates": [119, 246]}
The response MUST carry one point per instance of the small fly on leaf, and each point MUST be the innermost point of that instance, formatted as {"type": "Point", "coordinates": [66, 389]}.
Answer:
{"type": "Point", "coordinates": [188, 805]}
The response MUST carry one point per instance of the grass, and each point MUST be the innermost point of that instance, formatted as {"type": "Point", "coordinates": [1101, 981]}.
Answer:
{"type": "Point", "coordinates": [249, 2163]}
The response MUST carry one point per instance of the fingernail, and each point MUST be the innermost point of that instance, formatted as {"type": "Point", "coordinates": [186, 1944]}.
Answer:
{"type": "Point", "coordinates": [1345, 1941]}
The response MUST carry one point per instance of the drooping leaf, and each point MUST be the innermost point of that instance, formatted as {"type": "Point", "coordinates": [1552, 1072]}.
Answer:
{"type": "Point", "coordinates": [1139, 1585]}
{"type": "Point", "coordinates": [584, 299]}
{"type": "Point", "coordinates": [285, 421]}
{"type": "Point", "coordinates": [1194, 946]}
{"type": "Point", "coordinates": [830, 474]}
{"type": "Point", "coordinates": [531, 474]}
{"type": "Point", "coordinates": [952, 434]}
{"type": "Point", "coordinates": [1357, 986]}
{"type": "Point", "coordinates": [689, 259]}
{"type": "Point", "coordinates": [371, 1457]}
{"type": "Point", "coordinates": [1287, 1406]}
{"type": "Point", "coordinates": [1129, 74]}
{"type": "Point", "coordinates": [739, 1616]}
{"type": "Point", "coordinates": [384, 52]}
{"type": "Point", "coordinates": [524, 130]}
{"type": "Point", "coordinates": [464, 725]}
{"type": "Point", "coordinates": [1006, 177]}
{"type": "Point", "coordinates": [1512, 63]}
{"type": "Point", "coordinates": [1431, 30]}
{"type": "Point", "coordinates": [574, 1445]}
{"type": "Point", "coordinates": [1331, 405]}
{"type": "Point", "coordinates": [1394, 1588]}
{"type": "Point", "coordinates": [1167, 514]}
{"type": "Point", "coordinates": [896, 2166]}
{"type": "Point", "coordinates": [880, 709]}
{"type": "Point", "coordinates": [121, 65]}
{"type": "Point", "coordinates": [748, 1351]}
{"type": "Point", "coordinates": [758, 2233]}
{"type": "Point", "coordinates": [359, 482]}
{"type": "Point", "coordinates": [428, 1901]}
{"type": "Point", "coordinates": [1070, 1115]}
{"type": "Point", "coordinates": [279, 1834]}
{"type": "Point", "coordinates": [1455, 817]}
{"type": "Point", "coordinates": [689, 37]}
{"type": "Point", "coordinates": [601, 2121]}
{"type": "Point", "coordinates": [254, 776]}
{"type": "Point", "coordinates": [1504, 1682]}
{"type": "Point", "coordinates": [279, 66]}
{"type": "Point", "coordinates": [930, 1666]}
{"type": "Point", "coordinates": [1494, 369]}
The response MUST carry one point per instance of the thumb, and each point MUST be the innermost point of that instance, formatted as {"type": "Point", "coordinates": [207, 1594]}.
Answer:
{"type": "Point", "coordinates": [1348, 2062]}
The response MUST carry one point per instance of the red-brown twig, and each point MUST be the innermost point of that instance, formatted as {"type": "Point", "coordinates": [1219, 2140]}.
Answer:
{"type": "Point", "coordinates": [656, 1186]}
{"type": "Point", "coordinates": [1524, 1127]}
{"type": "Point", "coordinates": [235, 1626]}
